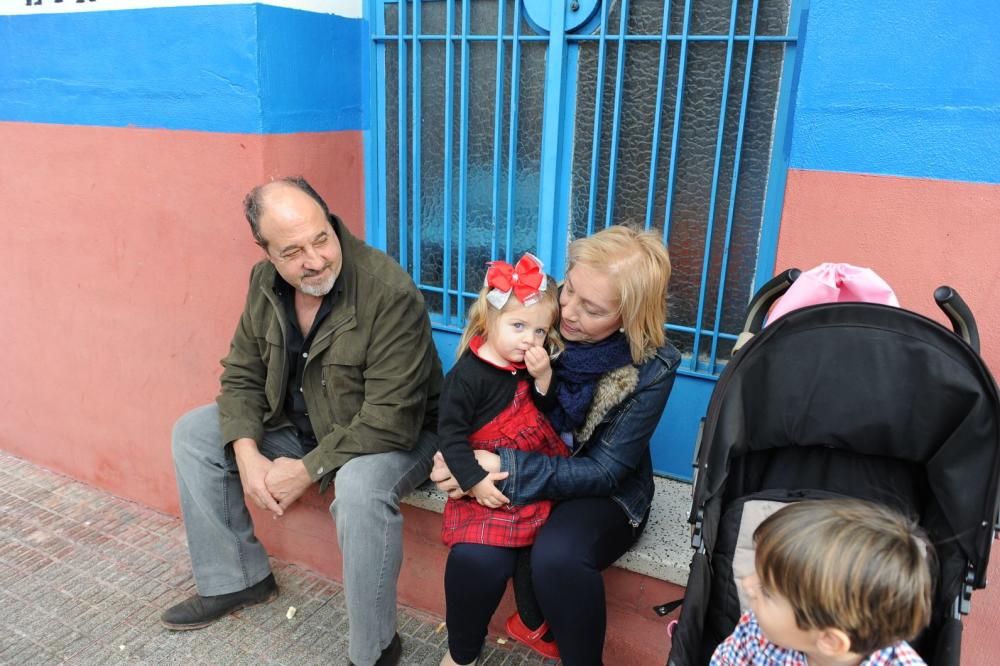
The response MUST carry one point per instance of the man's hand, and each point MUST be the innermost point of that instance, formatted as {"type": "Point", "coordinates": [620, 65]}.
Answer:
{"type": "Point", "coordinates": [287, 479]}
{"type": "Point", "coordinates": [536, 360]}
{"type": "Point", "coordinates": [486, 492]}
{"type": "Point", "coordinates": [254, 467]}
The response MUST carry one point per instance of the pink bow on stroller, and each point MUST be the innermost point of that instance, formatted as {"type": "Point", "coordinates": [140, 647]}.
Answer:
{"type": "Point", "coordinates": [834, 283]}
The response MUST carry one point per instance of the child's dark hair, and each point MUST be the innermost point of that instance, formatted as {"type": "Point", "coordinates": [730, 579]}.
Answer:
{"type": "Point", "coordinates": [850, 565]}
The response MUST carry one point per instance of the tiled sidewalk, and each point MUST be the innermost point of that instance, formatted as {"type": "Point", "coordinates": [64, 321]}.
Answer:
{"type": "Point", "coordinates": [84, 576]}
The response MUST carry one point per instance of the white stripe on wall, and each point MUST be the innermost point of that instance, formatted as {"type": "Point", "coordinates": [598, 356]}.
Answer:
{"type": "Point", "coordinates": [347, 8]}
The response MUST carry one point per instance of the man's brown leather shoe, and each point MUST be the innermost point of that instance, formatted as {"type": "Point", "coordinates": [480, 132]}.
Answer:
{"type": "Point", "coordinates": [198, 611]}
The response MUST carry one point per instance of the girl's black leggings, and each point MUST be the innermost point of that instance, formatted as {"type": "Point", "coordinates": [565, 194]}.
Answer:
{"type": "Point", "coordinates": [580, 539]}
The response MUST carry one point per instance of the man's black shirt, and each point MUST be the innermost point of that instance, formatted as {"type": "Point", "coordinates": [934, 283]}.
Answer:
{"type": "Point", "coordinates": [297, 347]}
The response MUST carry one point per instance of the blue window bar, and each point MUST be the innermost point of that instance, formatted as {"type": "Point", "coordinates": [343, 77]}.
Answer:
{"type": "Point", "coordinates": [505, 126]}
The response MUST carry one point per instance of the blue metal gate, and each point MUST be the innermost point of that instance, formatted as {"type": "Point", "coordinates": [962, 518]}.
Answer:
{"type": "Point", "coordinates": [504, 126]}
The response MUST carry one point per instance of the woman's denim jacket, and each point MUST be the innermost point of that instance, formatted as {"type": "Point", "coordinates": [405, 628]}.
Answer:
{"type": "Point", "coordinates": [615, 461]}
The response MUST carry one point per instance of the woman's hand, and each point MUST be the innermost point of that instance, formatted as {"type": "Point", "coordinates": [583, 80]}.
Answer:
{"type": "Point", "coordinates": [486, 492]}
{"type": "Point", "coordinates": [446, 483]}
{"type": "Point", "coordinates": [490, 462]}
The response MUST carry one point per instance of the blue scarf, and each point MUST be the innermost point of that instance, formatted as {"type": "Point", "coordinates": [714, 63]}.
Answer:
{"type": "Point", "coordinates": [577, 370]}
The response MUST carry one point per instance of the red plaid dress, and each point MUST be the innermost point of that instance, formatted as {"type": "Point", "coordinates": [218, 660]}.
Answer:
{"type": "Point", "coordinates": [519, 426]}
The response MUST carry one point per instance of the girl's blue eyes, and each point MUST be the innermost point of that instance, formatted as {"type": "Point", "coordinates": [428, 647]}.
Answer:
{"type": "Point", "coordinates": [519, 326]}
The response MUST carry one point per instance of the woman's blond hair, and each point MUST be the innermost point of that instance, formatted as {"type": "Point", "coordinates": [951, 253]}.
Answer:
{"type": "Point", "coordinates": [850, 565]}
{"type": "Point", "coordinates": [481, 315]}
{"type": "Point", "coordinates": [639, 267]}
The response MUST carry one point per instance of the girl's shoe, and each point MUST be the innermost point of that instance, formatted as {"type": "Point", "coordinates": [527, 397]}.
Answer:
{"type": "Point", "coordinates": [533, 639]}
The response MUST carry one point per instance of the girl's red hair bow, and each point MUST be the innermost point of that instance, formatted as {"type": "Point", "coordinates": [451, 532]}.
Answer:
{"type": "Point", "coordinates": [526, 280]}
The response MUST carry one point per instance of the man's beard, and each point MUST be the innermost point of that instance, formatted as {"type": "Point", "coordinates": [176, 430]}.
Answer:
{"type": "Point", "coordinates": [318, 290]}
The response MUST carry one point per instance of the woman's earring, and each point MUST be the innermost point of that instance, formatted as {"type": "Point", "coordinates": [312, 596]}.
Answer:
{"type": "Point", "coordinates": [621, 330]}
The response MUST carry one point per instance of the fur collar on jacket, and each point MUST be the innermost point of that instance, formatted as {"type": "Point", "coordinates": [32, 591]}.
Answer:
{"type": "Point", "coordinates": [611, 389]}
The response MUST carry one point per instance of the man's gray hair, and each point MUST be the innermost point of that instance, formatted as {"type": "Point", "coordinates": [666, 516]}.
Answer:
{"type": "Point", "coordinates": [253, 207]}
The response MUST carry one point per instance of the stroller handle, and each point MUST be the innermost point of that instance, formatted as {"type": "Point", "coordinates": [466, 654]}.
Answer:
{"type": "Point", "coordinates": [765, 297]}
{"type": "Point", "coordinates": [958, 314]}
{"type": "Point", "coordinates": [954, 307]}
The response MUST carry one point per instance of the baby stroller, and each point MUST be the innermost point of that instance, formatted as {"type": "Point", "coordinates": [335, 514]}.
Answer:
{"type": "Point", "coordinates": [850, 399]}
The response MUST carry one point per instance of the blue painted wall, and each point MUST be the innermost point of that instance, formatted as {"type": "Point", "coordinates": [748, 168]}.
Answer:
{"type": "Point", "coordinates": [900, 88]}
{"type": "Point", "coordinates": [313, 71]}
{"type": "Point", "coordinates": [232, 68]}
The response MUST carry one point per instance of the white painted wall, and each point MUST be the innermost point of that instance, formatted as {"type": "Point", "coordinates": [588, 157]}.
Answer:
{"type": "Point", "coordinates": [346, 8]}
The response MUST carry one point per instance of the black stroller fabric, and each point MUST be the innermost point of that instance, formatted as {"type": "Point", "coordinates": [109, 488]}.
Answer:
{"type": "Point", "coordinates": [859, 400]}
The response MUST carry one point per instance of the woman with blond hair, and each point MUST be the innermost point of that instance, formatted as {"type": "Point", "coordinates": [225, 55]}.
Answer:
{"type": "Point", "coordinates": [611, 382]}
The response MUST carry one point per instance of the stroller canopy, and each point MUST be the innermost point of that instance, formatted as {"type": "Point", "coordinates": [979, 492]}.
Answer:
{"type": "Point", "coordinates": [864, 382]}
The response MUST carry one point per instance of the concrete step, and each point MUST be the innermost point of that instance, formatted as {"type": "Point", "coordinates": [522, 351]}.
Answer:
{"type": "Point", "coordinates": [653, 572]}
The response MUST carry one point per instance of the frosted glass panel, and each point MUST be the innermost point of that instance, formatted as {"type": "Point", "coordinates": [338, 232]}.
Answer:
{"type": "Point", "coordinates": [694, 168]}
{"type": "Point", "coordinates": [500, 213]}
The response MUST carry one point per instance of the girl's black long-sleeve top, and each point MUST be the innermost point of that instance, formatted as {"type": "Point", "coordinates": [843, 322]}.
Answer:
{"type": "Point", "coordinates": [474, 393]}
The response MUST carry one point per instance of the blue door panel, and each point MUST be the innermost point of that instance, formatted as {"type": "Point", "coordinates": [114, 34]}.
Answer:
{"type": "Point", "coordinates": [675, 437]}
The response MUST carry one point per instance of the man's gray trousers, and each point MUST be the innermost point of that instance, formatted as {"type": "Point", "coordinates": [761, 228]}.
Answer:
{"type": "Point", "coordinates": [227, 557]}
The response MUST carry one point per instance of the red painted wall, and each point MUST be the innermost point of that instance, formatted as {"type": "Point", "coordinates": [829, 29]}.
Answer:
{"type": "Point", "coordinates": [126, 268]}
{"type": "Point", "coordinates": [981, 641]}
{"type": "Point", "coordinates": [127, 265]}
{"type": "Point", "coordinates": [916, 233]}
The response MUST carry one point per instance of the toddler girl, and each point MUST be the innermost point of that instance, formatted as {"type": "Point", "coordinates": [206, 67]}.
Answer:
{"type": "Point", "coordinates": [494, 397]}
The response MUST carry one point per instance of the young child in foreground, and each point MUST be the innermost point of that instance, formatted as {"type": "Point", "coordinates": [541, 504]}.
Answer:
{"type": "Point", "coordinates": [494, 397]}
{"type": "Point", "coordinates": [837, 582]}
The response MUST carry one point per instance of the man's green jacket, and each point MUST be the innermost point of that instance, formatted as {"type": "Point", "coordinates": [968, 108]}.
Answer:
{"type": "Point", "coordinates": [371, 380]}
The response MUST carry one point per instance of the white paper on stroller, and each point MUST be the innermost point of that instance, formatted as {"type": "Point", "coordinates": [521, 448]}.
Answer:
{"type": "Point", "coordinates": [754, 513]}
